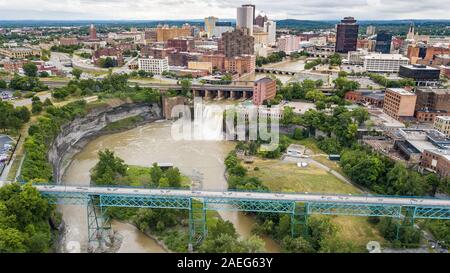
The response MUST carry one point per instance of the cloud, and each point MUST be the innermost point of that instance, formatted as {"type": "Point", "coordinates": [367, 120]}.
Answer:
{"type": "Point", "coordinates": [197, 9]}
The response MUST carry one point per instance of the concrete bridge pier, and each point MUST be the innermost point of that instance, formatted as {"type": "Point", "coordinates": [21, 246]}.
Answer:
{"type": "Point", "coordinates": [220, 94]}
{"type": "Point", "coordinates": [207, 95]}
{"type": "Point", "coordinates": [196, 93]}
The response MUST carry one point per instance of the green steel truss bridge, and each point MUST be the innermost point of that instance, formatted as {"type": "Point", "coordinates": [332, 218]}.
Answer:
{"type": "Point", "coordinates": [298, 206]}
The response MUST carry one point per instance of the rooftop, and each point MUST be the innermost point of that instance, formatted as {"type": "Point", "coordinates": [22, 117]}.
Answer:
{"type": "Point", "coordinates": [401, 91]}
{"type": "Point", "coordinates": [419, 67]}
{"type": "Point", "coordinates": [380, 56]}
{"type": "Point", "coordinates": [443, 152]}
{"type": "Point", "coordinates": [264, 80]}
{"type": "Point", "coordinates": [434, 90]}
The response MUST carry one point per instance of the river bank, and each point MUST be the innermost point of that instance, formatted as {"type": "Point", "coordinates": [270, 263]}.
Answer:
{"type": "Point", "coordinates": [202, 161]}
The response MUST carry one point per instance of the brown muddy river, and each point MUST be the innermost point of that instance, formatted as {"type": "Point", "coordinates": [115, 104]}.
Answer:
{"type": "Point", "coordinates": [201, 160]}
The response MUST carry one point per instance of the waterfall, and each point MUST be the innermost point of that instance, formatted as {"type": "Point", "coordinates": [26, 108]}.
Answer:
{"type": "Point", "coordinates": [208, 121]}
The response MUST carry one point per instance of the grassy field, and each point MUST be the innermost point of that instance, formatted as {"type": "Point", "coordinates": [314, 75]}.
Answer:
{"type": "Point", "coordinates": [357, 230]}
{"type": "Point", "coordinates": [283, 176]}
{"type": "Point", "coordinates": [287, 177]}
{"type": "Point", "coordinates": [140, 176]}
{"type": "Point", "coordinates": [334, 165]}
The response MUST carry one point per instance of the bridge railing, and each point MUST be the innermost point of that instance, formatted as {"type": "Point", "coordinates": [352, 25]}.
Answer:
{"type": "Point", "coordinates": [249, 191]}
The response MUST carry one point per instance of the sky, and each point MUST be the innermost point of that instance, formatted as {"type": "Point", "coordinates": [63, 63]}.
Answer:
{"type": "Point", "coordinates": [225, 9]}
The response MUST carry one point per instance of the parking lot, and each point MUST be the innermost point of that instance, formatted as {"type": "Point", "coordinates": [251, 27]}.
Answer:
{"type": "Point", "coordinates": [6, 146]}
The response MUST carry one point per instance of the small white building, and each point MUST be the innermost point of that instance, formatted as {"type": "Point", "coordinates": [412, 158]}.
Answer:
{"type": "Point", "coordinates": [155, 66]}
{"type": "Point", "coordinates": [384, 63]}
{"type": "Point", "coordinates": [356, 57]}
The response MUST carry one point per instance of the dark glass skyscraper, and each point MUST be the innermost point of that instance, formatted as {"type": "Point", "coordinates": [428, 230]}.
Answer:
{"type": "Point", "coordinates": [347, 35]}
{"type": "Point", "coordinates": [383, 44]}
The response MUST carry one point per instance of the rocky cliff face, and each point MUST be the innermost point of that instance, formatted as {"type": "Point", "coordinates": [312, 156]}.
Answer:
{"type": "Point", "coordinates": [75, 135]}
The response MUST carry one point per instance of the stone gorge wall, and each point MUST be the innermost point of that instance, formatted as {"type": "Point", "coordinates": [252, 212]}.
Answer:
{"type": "Point", "coordinates": [78, 133]}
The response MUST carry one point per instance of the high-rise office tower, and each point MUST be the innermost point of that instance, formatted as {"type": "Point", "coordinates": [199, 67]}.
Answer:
{"type": "Point", "coordinates": [245, 18]}
{"type": "Point", "coordinates": [347, 35]}
{"type": "Point", "coordinates": [383, 44]}
{"type": "Point", "coordinates": [261, 19]}
{"type": "Point", "coordinates": [210, 25]}
{"type": "Point", "coordinates": [254, 11]}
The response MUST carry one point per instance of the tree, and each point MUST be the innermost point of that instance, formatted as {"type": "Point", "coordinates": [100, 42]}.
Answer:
{"type": "Point", "coordinates": [401, 181]}
{"type": "Point", "coordinates": [186, 86]}
{"type": "Point", "coordinates": [361, 115]}
{"type": "Point", "coordinates": [77, 73]}
{"type": "Point", "coordinates": [254, 244]}
{"type": "Point", "coordinates": [11, 241]}
{"type": "Point", "coordinates": [163, 182]}
{"type": "Point", "coordinates": [335, 59]}
{"type": "Point", "coordinates": [288, 116]}
{"type": "Point", "coordinates": [319, 229]}
{"type": "Point", "coordinates": [320, 105]}
{"type": "Point", "coordinates": [24, 220]}
{"type": "Point", "coordinates": [342, 74]}
{"type": "Point", "coordinates": [36, 105]}
{"type": "Point", "coordinates": [224, 243]}
{"type": "Point", "coordinates": [108, 169]}
{"type": "Point", "coordinates": [434, 182]}
{"type": "Point", "coordinates": [296, 245]}
{"type": "Point", "coordinates": [173, 176]}
{"type": "Point", "coordinates": [156, 173]}
{"type": "Point", "coordinates": [44, 74]}
{"type": "Point", "coordinates": [144, 74]}
{"type": "Point", "coordinates": [334, 244]}
{"type": "Point", "coordinates": [107, 62]}
{"type": "Point", "coordinates": [3, 84]}
{"type": "Point", "coordinates": [300, 134]}
{"type": "Point", "coordinates": [47, 102]}
{"type": "Point", "coordinates": [30, 70]}
{"type": "Point", "coordinates": [315, 95]}
{"type": "Point", "coordinates": [222, 227]}
{"type": "Point", "coordinates": [23, 113]}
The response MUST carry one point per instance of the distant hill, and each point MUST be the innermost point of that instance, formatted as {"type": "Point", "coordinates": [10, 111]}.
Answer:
{"type": "Point", "coordinates": [304, 24]}
{"type": "Point", "coordinates": [301, 25]}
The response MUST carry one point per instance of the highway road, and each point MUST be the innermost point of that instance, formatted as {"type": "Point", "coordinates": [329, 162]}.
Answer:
{"type": "Point", "coordinates": [305, 197]}
{"type": "Point", "coordinates": [54, 84]}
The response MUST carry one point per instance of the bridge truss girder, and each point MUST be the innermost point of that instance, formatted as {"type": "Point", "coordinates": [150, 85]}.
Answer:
{"type": "Point", "coordinates": [198, 207]}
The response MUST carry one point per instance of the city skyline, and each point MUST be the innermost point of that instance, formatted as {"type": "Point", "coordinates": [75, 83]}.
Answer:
{"type": "Point", "coordinates": [284, 9]}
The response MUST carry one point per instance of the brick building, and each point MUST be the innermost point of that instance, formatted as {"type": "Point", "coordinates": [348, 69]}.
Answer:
{"type": "Point", "coordinates": [165, 33]}
{"type": "Point", "coordinates": [399, 103]}
{"type": "Point", "coordinates": [217, 61]}
{"type": "Point", "coordinates": [433, 98]}
{"type": "Point", "coordinates": [236, 43]}
{"type": "Point", "coordinates": [68, 41]}
{"type": "Point", "coordinates": [240, 65]}
{"type": "Point", "coordinates": [264, 89]}
{"type": "Point", "coordinates": [437, 161]}
{"type": "Point", "coordinates": [180, 44]}
{"type": "Point", "coordinates": [156, 52]}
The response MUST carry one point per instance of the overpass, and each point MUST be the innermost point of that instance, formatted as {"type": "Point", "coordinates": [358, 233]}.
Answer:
{"type": "Point", "coordinates": [298, 205]}
{"type": "Point", "coordinates": [208, 91]}
{"type": "Point", "coordinates": [275, 71]}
